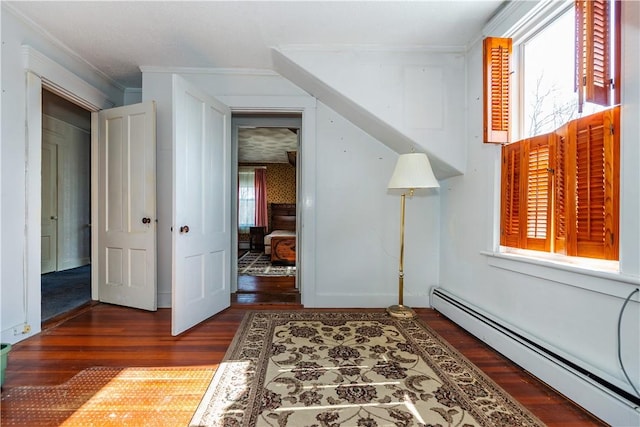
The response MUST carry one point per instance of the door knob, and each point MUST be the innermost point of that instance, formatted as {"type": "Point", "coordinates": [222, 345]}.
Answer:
{"type": "Point", "coordinates": [184, 229]}
{"type": "Point", "coordinates": [146, 220]}
{"type": "Point", "coordinates": [53, 217]}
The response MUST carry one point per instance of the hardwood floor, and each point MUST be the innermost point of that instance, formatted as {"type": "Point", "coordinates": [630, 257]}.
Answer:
{"type": "Point", "coordinates": [112, 336]}
{"type": "Point", "coordinates": [266, 290]}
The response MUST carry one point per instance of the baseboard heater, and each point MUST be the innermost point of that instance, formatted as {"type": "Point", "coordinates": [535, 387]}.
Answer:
{"type": "Point", "coordinates": [599, 396]}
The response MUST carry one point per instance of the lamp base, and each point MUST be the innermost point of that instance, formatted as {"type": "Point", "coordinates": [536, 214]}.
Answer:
{"type": "Point", "coordinates": [401, 311]}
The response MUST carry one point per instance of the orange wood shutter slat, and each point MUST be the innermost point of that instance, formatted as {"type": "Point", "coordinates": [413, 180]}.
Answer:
{"type": "Point", "coordinates": [510, 196]}
{"type": "Point", "coordinates": [538, 193]}
{"type": "Point", "coordinates": [497, 89]}
{"type": "Point", "coordinates": [570, 188]}
{"type": "Point", "coordinates": [559, 166]}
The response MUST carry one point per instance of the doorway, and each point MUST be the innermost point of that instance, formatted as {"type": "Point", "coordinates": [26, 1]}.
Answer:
{"type": "Point", "coordinates": [66, 206]}
{"type": "Point", "coordinates": [267, 148]}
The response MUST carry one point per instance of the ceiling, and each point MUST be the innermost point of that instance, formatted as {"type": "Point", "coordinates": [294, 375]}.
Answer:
{"type": "Point", "coordinates": [118, 37]}
{"type": "Point", "coordinates": [266, 145]}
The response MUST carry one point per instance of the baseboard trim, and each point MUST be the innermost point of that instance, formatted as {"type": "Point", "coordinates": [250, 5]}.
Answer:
{"type": "Point", "coordinates": [597, 395]}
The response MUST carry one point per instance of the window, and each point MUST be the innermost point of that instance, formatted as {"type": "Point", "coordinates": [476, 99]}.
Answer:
{"type": "Point", "coordinates": [549, 98]}
{"type": "Point", "coordinates": [560, 183]}
{"type": "Point", "coordinates": [246, 200]}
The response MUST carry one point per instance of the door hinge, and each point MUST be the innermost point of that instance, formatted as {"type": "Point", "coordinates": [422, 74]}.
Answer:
{"type": "Point", "coordinates": [611, 129]}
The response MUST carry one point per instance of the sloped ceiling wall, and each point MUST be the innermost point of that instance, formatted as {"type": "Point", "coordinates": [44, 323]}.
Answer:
{"type": "Point", "coordinates": [408, 100]}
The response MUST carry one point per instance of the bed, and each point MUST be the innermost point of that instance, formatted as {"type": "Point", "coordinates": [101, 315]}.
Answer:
{"type": "Point", "coordinates": [280, 243]}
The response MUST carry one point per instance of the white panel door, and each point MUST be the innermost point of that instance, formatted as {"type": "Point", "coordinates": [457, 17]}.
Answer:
{"type": "Point", "coordinates": [49, 211]}
{"type": "Point", "coordinates": [201, 222]}
{"type": "Point", "coordinates": [127, 206]}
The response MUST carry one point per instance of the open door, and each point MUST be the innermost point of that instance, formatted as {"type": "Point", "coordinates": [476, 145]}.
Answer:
{"type": "Point", "coordinates": [201, 200]}
{"type": "Point", "coordinates": [127, 207]}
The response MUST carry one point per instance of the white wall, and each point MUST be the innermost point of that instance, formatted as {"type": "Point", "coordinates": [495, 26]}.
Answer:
{"type": "Point", "coordinates": [132, 96]}
{"type": "Point", "coordinates": [358, 223]}
{"type": "Point", "coordinates": [13, 284]}
{"type": "Point", "coordinates": [417, 92]}
{"type": "Point", "coordinates": [20, 169]}
{"type": "Point", "coordinates": [569, 310]}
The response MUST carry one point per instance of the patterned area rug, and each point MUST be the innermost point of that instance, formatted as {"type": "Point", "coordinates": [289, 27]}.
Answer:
{"type": "Point", "coordinates": [350, 369]}
{"type": "Point", "coordinates": [259, 264]}
{"type": "Point", "coordinates": [110, 397]}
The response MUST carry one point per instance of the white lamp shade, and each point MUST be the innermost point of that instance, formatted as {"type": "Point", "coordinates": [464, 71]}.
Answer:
{"type": "Point", "coordinates": [413, 171]}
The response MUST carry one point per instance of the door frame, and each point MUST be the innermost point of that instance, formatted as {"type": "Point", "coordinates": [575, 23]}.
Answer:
{"type": "Point", "coordinates": [42, 72]}
{"type": "Point", "coordinates": [258, 120]}
{"type": "Point", "coordinates": [305, 194]}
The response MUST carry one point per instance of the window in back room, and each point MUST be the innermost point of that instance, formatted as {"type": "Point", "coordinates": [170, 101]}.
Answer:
{"type": "Point", "coordinates": [246, 199]}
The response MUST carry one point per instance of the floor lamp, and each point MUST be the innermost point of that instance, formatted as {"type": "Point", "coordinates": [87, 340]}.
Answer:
{"type": "Point", "coordinates": [412, 171]}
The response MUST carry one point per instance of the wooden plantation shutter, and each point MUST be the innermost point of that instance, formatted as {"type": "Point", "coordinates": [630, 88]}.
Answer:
{"type": "Point", "coordinates": [526, 194]}
{"type": "Point", "coordinates": [594, 51]}
{"type": "Point", "coordinates": [538, 193]}
{"type": "Point", "coordinates": [560, 191]}
{"type": "Point", "coordinates": [597, 190]}
{"type": "Point", "coordinates": [497, 89]}
{"type": "Point", "coordinates": [510, 195]}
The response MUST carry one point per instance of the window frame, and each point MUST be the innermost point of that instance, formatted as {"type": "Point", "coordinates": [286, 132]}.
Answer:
{"type": "Point", "coordinates": [520, 38]}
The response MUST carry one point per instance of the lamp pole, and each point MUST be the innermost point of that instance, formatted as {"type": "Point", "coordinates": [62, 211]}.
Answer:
{"type": "Point", "coordinates": [401, 310]}
{"type": "Point", "coordinates": [401, 269]}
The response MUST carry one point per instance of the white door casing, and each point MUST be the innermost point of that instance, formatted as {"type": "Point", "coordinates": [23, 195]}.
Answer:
{"type": "Point", "coordinates": [201, 211]}
{"type": "Point", "coordinates": [127, 207]}
{"type": "Point", "coordinates": [49, 211]}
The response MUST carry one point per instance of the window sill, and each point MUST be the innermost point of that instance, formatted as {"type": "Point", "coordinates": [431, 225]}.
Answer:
{"type": "Point", "coordinates": [594, 275]}
{"type": "Point", "coordinates": [583, 264]}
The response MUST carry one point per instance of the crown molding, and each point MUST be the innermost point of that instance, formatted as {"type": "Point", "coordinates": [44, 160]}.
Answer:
{"type": "Point", "coordinates": [205, 70]}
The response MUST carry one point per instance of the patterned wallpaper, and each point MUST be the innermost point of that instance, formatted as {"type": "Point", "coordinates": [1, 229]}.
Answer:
{"type": "Point", "coordinates": [281, 183]}
{"type": "Point", "coordinates": [281, 186]}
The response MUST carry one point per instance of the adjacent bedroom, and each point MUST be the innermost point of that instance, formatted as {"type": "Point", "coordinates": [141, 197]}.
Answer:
{"type": "Point", "coordinates": [267, 179]}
